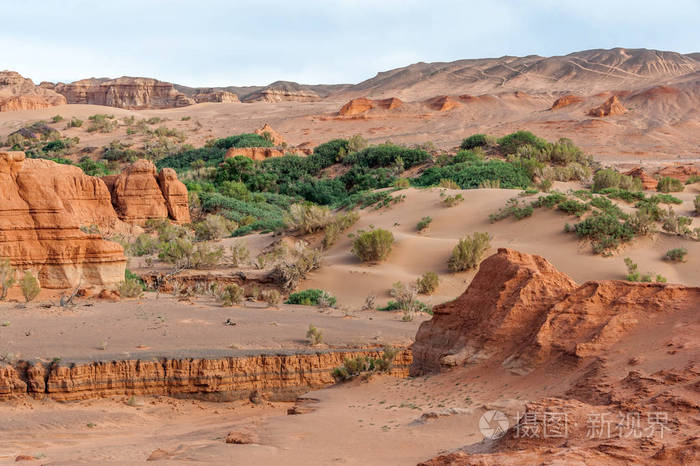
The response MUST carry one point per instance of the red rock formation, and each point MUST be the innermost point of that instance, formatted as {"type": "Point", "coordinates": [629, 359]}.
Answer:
{"type": "Point", "coordinates": [520, 311]}
{"type": "Point", "coordinates": [18, 93]}
{"type": "Point", "coordinates": [610, 107]}
{"type": "Point", "coordinates": [138, 194]}
{"type": "Point", "coordinates": [442, 103]}
{"type": "Point", "coordinates": [274, 136]}
{"type": "Point", "coordinates": [680, 172]}
{"type": "Point", "coordinates": [255, 153]}
{"type": "Point", "coordinates": [124, 92]}
{"type": "Point", "coordinates": [565, 101]}
{"type": "Point", "coordinates": [175, 194]}
{"type": "Point", "coordinates": [43, 205]}
{"type": "Point", "coordinates": [278, 376]}
{"type": "Point", "coordinates": [648, 182]}
{"type": "Point", "coordinates": [216, 96]}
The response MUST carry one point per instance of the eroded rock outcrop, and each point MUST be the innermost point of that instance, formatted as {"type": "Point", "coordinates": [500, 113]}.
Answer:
{"type": "Point", "coordinates": [520, 311]}
{"type": "Point", "coordinates": [19, 93]}
{"type": "Point", "coordinates": [565, 101]}
{"type": "Point", "coordinates": [283, 91]}
{"type": "Point", "coordinates": [269, 132]}
{"type": "Point", "coordinates": [216, 96]}
{"type": "Point", "coordinates": [124, 92]}
{"type": "Point", "coordinates": [43, 205]}
{"type": "Point", "coordinates": [648, 182]}
{"type": "Point", "coordinates": [362, 105]}
{"type": "Point", "coordinates": [680, 172]}
{"type": "Point", "coordinates": [610, 107]}
{"type": "Point", "coordinates": [282, 376]}
{"type": "Point", "coordinates": [442, 103]}
{"type": "Point", "coordinates": [139, 194]}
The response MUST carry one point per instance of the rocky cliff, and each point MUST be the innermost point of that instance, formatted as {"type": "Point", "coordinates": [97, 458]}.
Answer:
{"type": "Point", "coordinates": [276, 375]}
{"type": "Point", "coordinates": [610, 107]}
{"type": "Point", "coordinates": [519, 311]}
{"type": "Point", "coordinates": [216, 96]}
{"type": "Point", "coordinates": [139, 193]}
{"type": "Point", "coordinates": [43, 205]}
{"type": "Point", "coordinates": [283, 91]}
{"type": "Point", "coordinates": [19, 93]}
{"type": "Point", "coordinates": [124, 92]}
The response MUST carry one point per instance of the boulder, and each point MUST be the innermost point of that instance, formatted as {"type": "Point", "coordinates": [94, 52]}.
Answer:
{"type": "Point", "coordinates": [565, 101]}
{"type": "Point", "coordinates": [175, 194]}
{"type": "Point", "coordinates": [43, 206]}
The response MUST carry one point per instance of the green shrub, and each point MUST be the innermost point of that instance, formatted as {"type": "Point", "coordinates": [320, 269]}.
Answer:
{"type": "Point", "coordinates": [56, 118]}
{"type": "Point", "coordinates": [373, 245]}
{"type": "Point", "coordinates": [424, 223]}
{"type": "Point", "coordinates": [102, 123]}
{"type": "Point", "coordinates": [665, 199]}
{"type": "Point", "coordinates": [468, 252]}
{"type": "Point", "coordinates": [609, 178]}
{"type": "Point", "coordinates": [676, 254]}
{"type": "Point", "coordinates": [573, 207]}
{"type": "Point", "coordinates": [386, 156]}
{"type": "Point", "coordinates": [205, 256]}
{"type": "Point", "coordinates": [623, 194]}
{"type": "Point", "coordinates": [696, 202]}
{"type": "Point", "coordinates": [490, 184]}
{"type": "Point", "coordinates": [314, 335]}
{"type": "Point", "coordinates": [448, 184]}
{"type": "Point", "coordinates": [311, 297]}
{"type": "Point", "coordinates": [475, 140]}
{"type": "Point", "coordinates": [29, 286]}
{"type": "Point", "coordinates": [470, 175]}
{"type": "Point", "coordinates": [402, 183]}
{"type": "Point", "coordinates": [427, 283]}
{"type": "Point", "coordinates": [340, 223]}
{"type": "Point", "coordinates": [632, 270]}
{"type": "Point", "coordinates": [131, 287]}
{"type": "Point", "coordinates": [511, 142]}
{"type": "Point", "coordinates": [143, 244]}
{"type": "Point", "coordinates": [512, 208]}
{"type": "Point", "coordinates": [232, 294]}
{"type": "Point", "coordinates": [75, 123]}
{"type": "Point", "coordinates": [7, 277]}
{"type": "Point", "coordinates": [605, 231]}
{"type": "Point", "coordinates": [670, 185]}
{"type": "Point", "coordinates": [674, 223]}
{"type": "Point", "coordinates": [354, 367]}
{"type": "Point", "coordinates": [550, 200]}
{"type": "Point", "coordinates": [242, 140]}
{"type": "Point", "coordinates": [239, 253]}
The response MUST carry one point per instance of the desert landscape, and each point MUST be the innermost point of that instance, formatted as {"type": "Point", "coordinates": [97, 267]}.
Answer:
{"type": "Point", "coordinates": [476, 262]}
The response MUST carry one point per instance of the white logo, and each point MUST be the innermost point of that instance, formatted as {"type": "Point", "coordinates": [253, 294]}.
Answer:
{"type": "Point", "coordinates": [493, 424]}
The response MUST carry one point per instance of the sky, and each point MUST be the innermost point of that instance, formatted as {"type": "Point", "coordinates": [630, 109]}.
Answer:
{"type": "Point", "coordinates": [241, 42]}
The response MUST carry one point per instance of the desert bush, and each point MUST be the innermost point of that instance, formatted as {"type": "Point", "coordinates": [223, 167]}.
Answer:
{"type": "Point", "coordinates": [633, 274]}
{"type": "Point", "coordinates": [353, 367]}
{"type": "Point", "coordinates": [213, 227]}
{"type": "Point", "coordinates": [29, 286]}
{"type": "Point", "coordinates": [448, 184]}
{"type": "Point", "coordinates": [314, 335]}
{"type": "Point", "coordinates": [605, 231]}
{"type": "Point", "coordinates": [7, 277]}
{"type": "Point", "coordinates": [131, 287]}
{"type": "Point", "coordinates": [675, 224]}
{"type": "Point", "coordinates": [102, 122]}
{"type": "Point", "coordinates": [372, 245]}
{"type": "Point", "coordinates": [289, 272]}
{"type": "Point", "coordinates": [242, 140]}
{"type": "Point", "coordinates": [512, 208]}
{"type": "Point", "coordinates": [490, 184]}
{"type": "Point", "coordinates": [676, 254]}
{"type": "Point", "coordinates": [142, 245]}
{"type": "Point", "coordinates": [311, 297]}
{"type": "Point", "coordinates": [468, 252]}
{"type": "Point", "coordinates": [387, 156]}
{"type": "Point", "coordinates": [56, 118]}
{"type": "Point", "coordinates": [545, 185]}
{"type": "Point", "coordinates": [340, 223]}
{"type": "Point", "coordinates": [176, 251]}
{"type": "Point", "coordinates": [74, 123]}
{"type": "Point", "coordinates": [309, 218]}
{"type": "Point", "coordinates": [271, 297]}
{"type": "Point", "coordinates": [240, 254]}
{"type": "Point", "coordinates": [232, 294]}
{"type": "Point", "coordinates": [451, 201]}
{"type": "Point", "coordinates": [205, 256]}
{"type": "Point", "coordinates": [573, 207]}
{"type": "Point", "coordinates": [641, 223]}
{"type": "Point", "coordinates": [696, 203]}
{"type": "Point", "coordinates": [609, 178]}
{"type": "Point", "coordinates": [511, 142]}
{"type": "Point", "coordinates": [427, 283]}
{"type": "Point", "coordinates": [475, 140]}
{"type": "Point", "coordinates": [402, 183]}
{"type": "Point", "coordinates": [665, 199]}
{"type": "Point", "coordinates": [469, 175]}
{"type": "Point", "coordinates": [424, 223]}
{"type": "Point", "coordinates": [670, 185]}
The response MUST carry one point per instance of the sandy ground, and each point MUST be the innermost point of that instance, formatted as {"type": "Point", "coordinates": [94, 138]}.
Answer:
{"type": "Point", "coordinates": [543, 233]}
{"type": "Point", "coordinates": [165, 327]}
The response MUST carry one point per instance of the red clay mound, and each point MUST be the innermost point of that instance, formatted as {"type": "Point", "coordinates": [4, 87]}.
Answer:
{"type": "Point", "coordinates": [648, 182]}
{"type": "Point", "coordinates": [610, 107]}
{"type": "Point", "coordinates": [519, 311]}
{"type": "Point", "coordinates": [680, 172]}
{"type": "Point", "coordinates": [442, 103]}
{"type": "Point", "coordinates": [565, 101]}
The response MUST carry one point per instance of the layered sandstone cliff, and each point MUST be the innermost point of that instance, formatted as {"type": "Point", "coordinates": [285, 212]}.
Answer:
{"type": "Point", "coordinates": [648, 182]}
{"type": "Point", "coordinates": [280, 375]}
{"type": "Point", "coordinates": [43, 206]}
{"type": "Point", "coordinates": [519, 311]}
{"type": "Point", "coordinates": [140, 193]}
{"type": "Point", "coordinates": [19, 93]}
{"type": "Point", "coordinates": [124, 92]}
{"type": "Point", "coordinates": [216, 96]}
{"type": "Point", "coordinates": [283, 91]}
